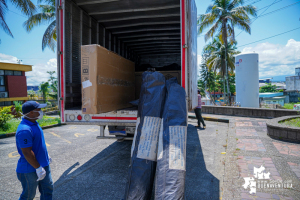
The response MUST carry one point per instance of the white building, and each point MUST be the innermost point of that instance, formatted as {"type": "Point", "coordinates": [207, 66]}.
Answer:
{"type": "Point", "coordinates": [293, 82]}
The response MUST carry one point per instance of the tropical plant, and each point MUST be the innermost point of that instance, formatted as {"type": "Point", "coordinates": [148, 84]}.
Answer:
{"type": "Point", "coordinates": [206, 83]}
{"type": "Point", "coordinates": [26, 7]}
{"type": "Point", "coordinates": [31, 93]}
{"type": "Point", "coordinates": [268, 88]}
{"type": "Point", "coordinates": [44, 89]}
{"type": "Point", "coordinates": [53, 85]}
{"type": "Point", "coordinates": [46, 15]}
{"type": "Point", "coordinates": [5, 115]}
{"type": "Point", "coordinates": [222, 17]}
{"type": "Point", "coordinates": [17, 111]}
{"type": "Point", "coordinates": [51, 78]}
{"type": "Point", "coordinates": [215, 60]}
{"type": "Point", "coordinates": [53, 94]}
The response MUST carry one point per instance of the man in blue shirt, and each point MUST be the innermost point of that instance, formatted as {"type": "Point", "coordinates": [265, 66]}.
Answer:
{"type": "Point", "coordinates": [33, 168]}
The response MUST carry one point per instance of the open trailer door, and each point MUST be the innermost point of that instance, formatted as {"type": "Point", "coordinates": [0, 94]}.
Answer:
{"type": "Point", "coordinates": [191, 49]}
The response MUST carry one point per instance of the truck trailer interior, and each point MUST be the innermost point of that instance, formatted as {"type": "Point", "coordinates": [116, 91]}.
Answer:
{"type": "Point", "coordinates": [145, 32]}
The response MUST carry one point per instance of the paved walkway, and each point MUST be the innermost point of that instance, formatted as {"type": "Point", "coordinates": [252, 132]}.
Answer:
{"type": "Point", "coordinates": [249, 147]}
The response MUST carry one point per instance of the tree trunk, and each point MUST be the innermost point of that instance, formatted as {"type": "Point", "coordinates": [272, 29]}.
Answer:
{"type": "Point", "coordinates": [224, 36]}
{"type": "Point", "coordinates": [224, 93]}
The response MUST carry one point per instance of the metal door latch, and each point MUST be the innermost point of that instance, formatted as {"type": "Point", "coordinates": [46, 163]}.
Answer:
{"type": "Point", "coordinates": [185, 46]}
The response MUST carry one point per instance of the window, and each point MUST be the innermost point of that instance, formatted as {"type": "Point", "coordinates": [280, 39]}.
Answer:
{"type": "Point", "coordinates": [1, 80]}
{"type": "Point", "coordinates": [2, 103]}
{"type": "Point", "coordinates": [18, 73]}
{"type": "Point", "coordinates": [3, 94]}
{"type": "Point", "coordinates": [9, 72]}
{"type": "Point", "coordinates": [7, 103]}
{"type": "Point", "coordinates": [2, 88]}
{"type": "Point", "coordinates": [1, 72]}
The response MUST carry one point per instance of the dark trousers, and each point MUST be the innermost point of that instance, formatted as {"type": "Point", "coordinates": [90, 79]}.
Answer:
{"type": "Point", "coordinates": [29, 185]}
{"type": "Point", "coordinates": [199, 116]}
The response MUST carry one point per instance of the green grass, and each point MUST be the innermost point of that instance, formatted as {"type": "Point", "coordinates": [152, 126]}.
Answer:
{"type": "Point", "coordinates": [292, 122]}
{"type": "Point", "coordinates": [12, 125]}
{"type": "Point", "coordinates": [290, 105]}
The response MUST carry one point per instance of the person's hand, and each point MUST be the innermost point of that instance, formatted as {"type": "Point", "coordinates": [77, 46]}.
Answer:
{"type": "Point", "coordinates": [41, 173]}
{"type": "Point", "coordinates": [50, 159]}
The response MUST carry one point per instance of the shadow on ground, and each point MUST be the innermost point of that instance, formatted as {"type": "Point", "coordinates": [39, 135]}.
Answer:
{"type": "Point", "coordinates": [105, 175]}
{"type": "Point", "coordinates": [200, 183]}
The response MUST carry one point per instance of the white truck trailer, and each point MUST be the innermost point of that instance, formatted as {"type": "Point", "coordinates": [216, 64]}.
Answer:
{"type": "Point", "coordinates": [153, 32]}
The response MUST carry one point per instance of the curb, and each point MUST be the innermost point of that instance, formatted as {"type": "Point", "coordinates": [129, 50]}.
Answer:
{"type": "Point", "coordinates": [6, 135]}
{"type": "Point", "coordinates": [212, 119]}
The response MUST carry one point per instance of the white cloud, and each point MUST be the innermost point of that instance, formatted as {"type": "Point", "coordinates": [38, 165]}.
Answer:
{"type": "Point", "coordinates": [39, 72]}
{"type": "Point", "coordinates": [8, 58]}
{"type": "Point", "coordinates": [275, 59]}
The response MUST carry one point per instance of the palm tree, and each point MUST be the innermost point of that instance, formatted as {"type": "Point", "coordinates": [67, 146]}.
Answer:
{"type": "Point", "coordinates": [217, 54]}
{"type": "Point", "coordinates": [207, 78]}
{"type": "Point", "coordinates": [222, 16]}
{"type": "Point", "coordinates": [44, 89]}
{"type": "Point", "coordinates": [26, 7]}
{"type": "Point", "coordinates": [47, 15]}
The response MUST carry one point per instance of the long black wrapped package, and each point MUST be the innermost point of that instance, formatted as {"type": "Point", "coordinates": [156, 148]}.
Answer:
{"type": "Point", "coordinates": [171, 156]}
{"type": "Point", "coordinates": [144, 147]}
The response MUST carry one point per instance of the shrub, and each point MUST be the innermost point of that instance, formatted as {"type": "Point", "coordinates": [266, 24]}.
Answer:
{"type": "Point", "coordinates": [17, 110]}
{"type": "Point", "coordinates": [5, 115]}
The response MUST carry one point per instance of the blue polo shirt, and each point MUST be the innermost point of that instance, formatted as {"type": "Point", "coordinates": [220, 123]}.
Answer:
{"type": "Point", "coordinates": [30, 134]}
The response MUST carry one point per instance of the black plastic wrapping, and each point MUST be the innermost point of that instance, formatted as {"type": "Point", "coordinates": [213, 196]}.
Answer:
{"type": "Point", "coordinates": [171, 156]}
{"type": "Point", "coordinates": [141, 170]}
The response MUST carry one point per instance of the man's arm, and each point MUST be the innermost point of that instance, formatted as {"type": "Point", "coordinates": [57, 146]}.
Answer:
{"type": "Point", "coordinates": [30, 157]}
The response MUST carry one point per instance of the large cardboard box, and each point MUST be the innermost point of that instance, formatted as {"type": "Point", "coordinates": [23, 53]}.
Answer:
{"type": "Point", "coordinates": [108, 80]}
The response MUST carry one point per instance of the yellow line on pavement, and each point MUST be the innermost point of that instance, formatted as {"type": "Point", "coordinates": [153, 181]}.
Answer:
{"type": "Point", "coordinates": [11, 155]}
{"type": "Point", "coordinates": [92, 130]}
{"type": "Point", "coordinates": [54, 134]}
{"type": "Point", "coordinates": [77, 134]}
{"type": "Point", "coordinates": [60, 137]}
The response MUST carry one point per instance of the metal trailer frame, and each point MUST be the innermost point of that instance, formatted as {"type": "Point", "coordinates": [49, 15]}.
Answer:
{"type": "Point", "coordinates": [126, 117]}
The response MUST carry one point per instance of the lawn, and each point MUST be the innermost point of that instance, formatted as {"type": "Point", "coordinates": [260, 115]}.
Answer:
{"type": "Point", "coordinates": [290, 105]}
{"type": "Point", "coordinates": [12, 124]}
{"type": "Point", "coordinates": [292, 122]}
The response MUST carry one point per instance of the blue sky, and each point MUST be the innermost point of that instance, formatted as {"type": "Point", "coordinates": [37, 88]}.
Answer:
{"type": "Point", "coordinates": [278, 55]}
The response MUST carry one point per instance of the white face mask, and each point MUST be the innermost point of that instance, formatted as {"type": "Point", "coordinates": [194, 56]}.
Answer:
{"type": "Point", "coordinates": [39, 117]}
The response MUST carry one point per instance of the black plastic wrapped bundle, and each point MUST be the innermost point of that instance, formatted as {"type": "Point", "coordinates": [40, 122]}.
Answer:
{"type": "Point", "coordinates": [144, 147]}
{"type": "Point", "coordinates": [171, 156]}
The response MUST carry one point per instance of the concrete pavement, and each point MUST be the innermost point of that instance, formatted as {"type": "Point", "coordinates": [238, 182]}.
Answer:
{"type": "Point", "coordinates": [86, 168]}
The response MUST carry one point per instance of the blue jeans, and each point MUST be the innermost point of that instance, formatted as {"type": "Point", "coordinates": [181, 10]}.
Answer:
{"type": "Point", "coordinates": [29, 184]}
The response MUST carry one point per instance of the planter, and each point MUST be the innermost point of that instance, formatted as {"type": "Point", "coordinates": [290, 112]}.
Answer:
{"type": "Point", "coordinates": [282, 131]}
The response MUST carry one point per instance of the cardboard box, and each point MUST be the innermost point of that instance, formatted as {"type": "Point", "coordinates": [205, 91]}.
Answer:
{"type": "Point", "coordinates": [167, 74]}
{"type": "Point", "coordinates": [108, 80]}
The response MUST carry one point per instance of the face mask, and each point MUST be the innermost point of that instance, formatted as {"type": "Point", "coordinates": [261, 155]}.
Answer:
{"type": "Point", "coordinates": [39, 117]}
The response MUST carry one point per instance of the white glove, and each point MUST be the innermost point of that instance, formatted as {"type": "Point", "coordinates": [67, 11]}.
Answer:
{"type": "Point", "coordinates": [50, 159]}
{"type": "Point", "coordinates": [41, 173]}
